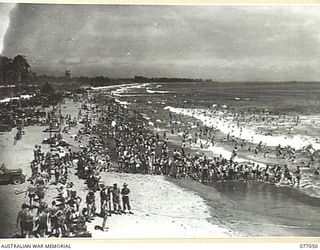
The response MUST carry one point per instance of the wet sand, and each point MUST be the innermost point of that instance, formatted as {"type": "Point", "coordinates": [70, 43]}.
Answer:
{"type": "Point", "coordinates": [259, 209]}
{"type": "Point", "coordinates": [251, 209]}
{"type": "Point", "coordinates": [161, 209]}
{"type": "Point", "coordinates": [168, 207]}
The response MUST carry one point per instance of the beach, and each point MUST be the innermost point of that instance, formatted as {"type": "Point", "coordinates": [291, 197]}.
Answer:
{"type": "Point", "coordinates": [273, 125]}
{"type": "Point", "coordinates": [166, 206]}
{"type": "Point", "coordinates": [155, 213]}
{"type": "Point", "coordinates": [159, 122]}
{"type": "Point", "coordinates": [248, 205]}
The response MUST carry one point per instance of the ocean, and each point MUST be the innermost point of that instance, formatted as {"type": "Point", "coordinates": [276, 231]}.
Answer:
{"type": "Point", "coordinates": [271, 114]}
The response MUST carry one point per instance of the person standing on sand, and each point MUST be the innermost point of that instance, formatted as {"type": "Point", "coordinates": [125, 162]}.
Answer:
{"type": "Point", "coordinates": [31, 192]}
{"type": "Point", "coordinates": [40, 192]}
{"type": "Point", "coordinates": [103, 196]}
{"type": "Point", "coordinates": [91, 204]}
{"type": "Point", "coordinates": [29, 219]}
{"type": "Point", "coordinates": [42, 221]}
{"type": "Point", "coordinates": [108, 197]}
{"type": "Point", "coordinates": [60, 222]}
{"type": "Point", "coordinates": [104, 215]}
{"type": "Point", "coordinates": [116, 199]}
{"type": "Point", "coordinates": [52, 221]}
{"type": "Point", "coordinates": [125, 198]}
{"type": "Point", "coordinates": [22, 219]}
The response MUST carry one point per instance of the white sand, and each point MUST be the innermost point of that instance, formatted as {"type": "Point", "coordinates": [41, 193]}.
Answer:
{"type": "Point", "coordinates": [161, 210]}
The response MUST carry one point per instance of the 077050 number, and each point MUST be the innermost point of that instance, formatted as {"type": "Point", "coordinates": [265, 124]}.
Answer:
{"type": "Point", "coordinates": [309, 246]}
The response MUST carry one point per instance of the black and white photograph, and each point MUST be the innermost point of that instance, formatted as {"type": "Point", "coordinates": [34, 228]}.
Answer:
{"type": "Point", "coordinates": [163, 121]}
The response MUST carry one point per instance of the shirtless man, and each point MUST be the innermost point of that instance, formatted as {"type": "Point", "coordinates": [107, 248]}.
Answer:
{"type": "Point", "coordinates": [31, 191]}
{"type": "Point", "coordinates": [29, 221]}
{"type": "Point", "coordinates": [22, 218]}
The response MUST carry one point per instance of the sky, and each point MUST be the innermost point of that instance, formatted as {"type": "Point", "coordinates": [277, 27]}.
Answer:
{"type": "Point", "coordinates": [4, 21]}
{"type": "Point", "coordinates": [223, 43]}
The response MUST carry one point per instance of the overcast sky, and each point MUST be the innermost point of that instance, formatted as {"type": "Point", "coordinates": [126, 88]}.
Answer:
{"type": "Point", "coordinates": [4, 20]}
{"type": "Point", "coordinates": [246, 43]}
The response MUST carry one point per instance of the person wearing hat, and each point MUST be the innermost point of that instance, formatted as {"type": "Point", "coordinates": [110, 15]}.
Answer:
{"type": "Point", "coordinates": [125, 198]}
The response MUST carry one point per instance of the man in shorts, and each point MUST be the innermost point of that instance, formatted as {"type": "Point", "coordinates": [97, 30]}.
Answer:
{"type": "Point", "coordinates": [29, 219]}
{"type": "Point", "coordinates": [22, 218]}
{"type": "Point", "coordinates": [53, 218]}
{"type": "Point", "coordinates": [60, 221]}
{"type": "Point", "coordinates": [42, 221]}
{"type": "Point", "coordinates": [31, 192]}
{"type": "Point", "coordinates": [40, 192]}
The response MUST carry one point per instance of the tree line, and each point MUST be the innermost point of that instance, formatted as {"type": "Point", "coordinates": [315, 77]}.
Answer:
{"type": "Point", "coordinates": [14, 71]}
{"type": "Point", "coordinates": [142, 79]}
{"type": "Point", "coordinates": [17, 71]}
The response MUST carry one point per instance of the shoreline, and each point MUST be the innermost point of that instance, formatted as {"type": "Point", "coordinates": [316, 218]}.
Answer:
{"type": "Point", "coordinates": [222, 206]}
{"type": "Point", "coordinates": [271, 225]}
{"type": "Point", "coordinates": [221, 149]}
{"type": "Point", "coordinates": [308, 180]}
{"type": "Point", "coordinates": [179, 226]}
{"type": "Point", "coordinates": [251, 219]}
{"type": "Point", "coordinates": [234, 219]}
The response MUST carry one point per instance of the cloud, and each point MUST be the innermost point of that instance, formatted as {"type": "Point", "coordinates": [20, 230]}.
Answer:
{"type": "Point", "coordinates": [219, 42]}
{"type": "Point", "coordinates": [5, 9]}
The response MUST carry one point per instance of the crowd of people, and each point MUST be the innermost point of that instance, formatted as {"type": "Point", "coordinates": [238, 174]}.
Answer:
{"type": "Point", "coordinates": [288, 160]}
{"type": "Point", "coordinates": [67, 214]}
{"type": "Point", "coordinates": [140, 150]}
{"type": "Point", "coordinates": [115, 138]}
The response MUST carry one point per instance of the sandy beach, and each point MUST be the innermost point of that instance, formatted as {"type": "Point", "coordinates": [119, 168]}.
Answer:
{"type": "Point", "coordinates": [167, 207]}
{"type": "Point", "coordinates": [244, 207]}
{"type": "Point", "coordinates": [154, 199]}
{"type": "Point", "coordinates": [163, 121]}
{"type": "Point", "coordinates": [20, 156]}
